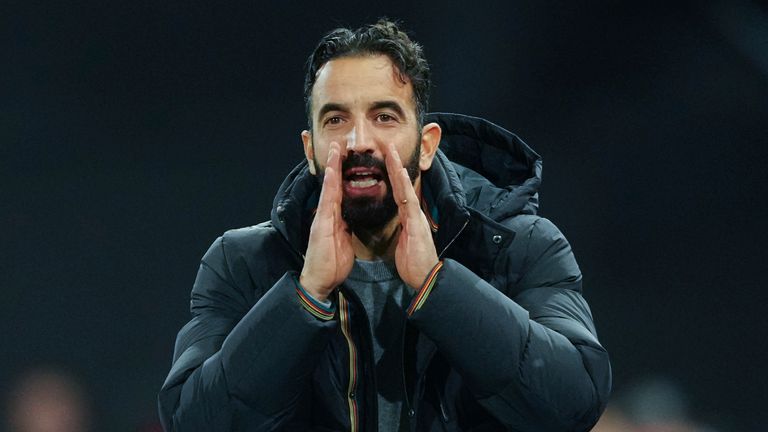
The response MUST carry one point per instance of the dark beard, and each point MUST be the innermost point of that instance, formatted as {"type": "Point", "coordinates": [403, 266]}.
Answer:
{"type": "Point", "coordinates": [369, 215]}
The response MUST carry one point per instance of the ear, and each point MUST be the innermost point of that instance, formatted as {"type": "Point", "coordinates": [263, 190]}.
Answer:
{"type": "Point", "coordinates": [430, 140]}
{"type": "Point", "coordinates": [309, 152]}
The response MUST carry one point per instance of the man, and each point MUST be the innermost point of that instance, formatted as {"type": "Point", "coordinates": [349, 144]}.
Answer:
{"type": "Point", "coordinates": [397, 286]}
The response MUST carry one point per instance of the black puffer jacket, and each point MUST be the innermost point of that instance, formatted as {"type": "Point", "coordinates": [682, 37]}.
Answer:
{"type": "Point", "coordinates": [504, 341]}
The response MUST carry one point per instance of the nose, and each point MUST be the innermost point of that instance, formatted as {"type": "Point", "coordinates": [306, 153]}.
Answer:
{"type": "Point", "coordinates": [360, 139]}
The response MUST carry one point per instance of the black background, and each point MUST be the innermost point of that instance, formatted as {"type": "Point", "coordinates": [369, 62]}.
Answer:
{"type": "Point", "coordinates": [133, 133]}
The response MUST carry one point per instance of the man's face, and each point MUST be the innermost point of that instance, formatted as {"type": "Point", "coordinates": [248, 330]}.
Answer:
{"type": "Point", "coordinates": [361, 103]}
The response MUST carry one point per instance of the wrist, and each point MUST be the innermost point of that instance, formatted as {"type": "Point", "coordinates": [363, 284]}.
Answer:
{"type": "Point", "coordinates": [425, 289]}
{"type": "Point", "coordinates": [321, 308]}
{"type": "Point", "coordinates": [316, 292]}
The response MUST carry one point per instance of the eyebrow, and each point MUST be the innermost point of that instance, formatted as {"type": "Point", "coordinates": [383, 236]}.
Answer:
{"type": "Point", "coordinates": [325, 109]}
{"type": "Point", "coordinates": [388, 104]}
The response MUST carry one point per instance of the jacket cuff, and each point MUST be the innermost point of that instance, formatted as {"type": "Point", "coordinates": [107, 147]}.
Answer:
{"type": "Point", "coordinates": [322, 310]}
{"type": "Point", "coordinates": [425, 290]}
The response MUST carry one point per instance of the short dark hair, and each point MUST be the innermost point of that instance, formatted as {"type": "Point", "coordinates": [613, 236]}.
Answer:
{"type": "Point", "coordinates": [384, 37]}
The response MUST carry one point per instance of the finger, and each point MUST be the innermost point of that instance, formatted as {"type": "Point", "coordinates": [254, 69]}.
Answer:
{"type": "Point", "coordinates": [330, 194]}
{"type": "Point", "coordinates": [335, 163]}
{"type": "Point", "coordinates": [410, 201]}
{"type": "Point", "coordinates": [394, 165]}
{"type": "Point", "coordinates": [402, 188]}
{"type": "Point", "coordinates": [334, 156]}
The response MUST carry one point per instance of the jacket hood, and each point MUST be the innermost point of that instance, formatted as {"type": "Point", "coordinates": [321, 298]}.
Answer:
{"type": "Point", "coordinates": [500, 174]}
{"type": "Point", "coordinates": [479, 165]}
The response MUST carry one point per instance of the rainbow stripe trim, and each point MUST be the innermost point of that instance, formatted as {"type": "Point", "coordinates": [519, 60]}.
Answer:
{"type": "Point", "coordinates": [347, 331]}
{"type": "Point", "coordinates": [313, 306]}
{"type": "Point", "coordinates": [426, 288]}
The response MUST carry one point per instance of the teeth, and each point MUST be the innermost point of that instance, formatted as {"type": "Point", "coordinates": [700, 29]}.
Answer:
{"type": "Point", "coordinates": [362, 183]}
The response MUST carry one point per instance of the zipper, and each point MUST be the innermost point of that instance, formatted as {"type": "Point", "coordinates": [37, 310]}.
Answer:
{"type": "Point", "coordinates": [466, 222]}
{"type": "Point", "coordinates": [372, 411]}
{"type": "Point", "coordinates": [441, 402]}
{"type": "Point", "coordinates": [347, 331]}
{"type": "Point", "coordinates": [410, 411]}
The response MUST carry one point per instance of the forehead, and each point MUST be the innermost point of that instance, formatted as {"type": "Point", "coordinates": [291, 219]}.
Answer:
{"type": "Point", "coordinates": [359, 80]}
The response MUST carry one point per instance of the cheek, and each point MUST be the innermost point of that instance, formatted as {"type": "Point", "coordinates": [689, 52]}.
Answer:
{"type": "Point", "coordinates": [319, 150]}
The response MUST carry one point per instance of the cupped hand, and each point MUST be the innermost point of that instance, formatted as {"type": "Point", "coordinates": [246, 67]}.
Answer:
{"type": "Point", "coordinates": [330, 256]}
{"type": "Point", "coordinates": [415, 254]}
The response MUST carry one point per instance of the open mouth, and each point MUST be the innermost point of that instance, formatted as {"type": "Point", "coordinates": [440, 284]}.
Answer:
{"type": "Point", "coordinates": [363, 180]}
{"type": "Point", "coordinates": [360, 181]}
{"type": "Point", "coordinates": [362, 177]}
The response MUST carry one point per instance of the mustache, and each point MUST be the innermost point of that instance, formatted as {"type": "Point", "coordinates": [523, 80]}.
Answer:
{"type": "Point", "coordinates": [364, 160]}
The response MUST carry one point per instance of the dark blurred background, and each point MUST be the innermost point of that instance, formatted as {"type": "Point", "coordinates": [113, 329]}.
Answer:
{"type": "Point", "coordinates": [133, 133]}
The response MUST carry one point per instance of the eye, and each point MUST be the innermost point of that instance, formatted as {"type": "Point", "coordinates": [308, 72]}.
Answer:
{"type": "Point", "coordinates": [385, 118]}
{"type": "Point", "coordinates": [335, 120]}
